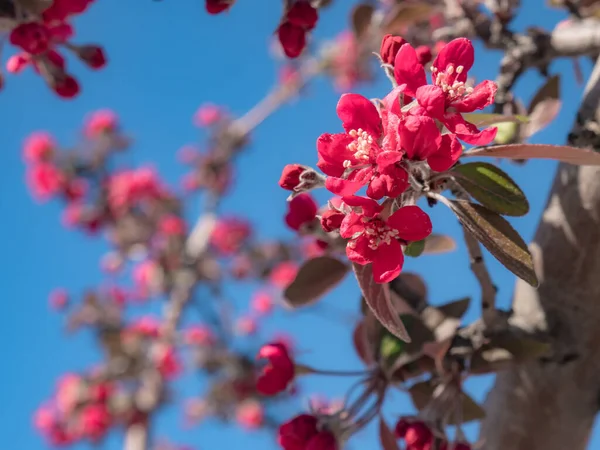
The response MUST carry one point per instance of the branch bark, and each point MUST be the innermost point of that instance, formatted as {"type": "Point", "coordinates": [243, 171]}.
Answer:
{"type": "Point", "coordinates": [551, 404]}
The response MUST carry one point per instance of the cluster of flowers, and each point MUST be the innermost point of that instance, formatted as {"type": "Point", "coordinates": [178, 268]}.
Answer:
{"type": "Point", "coordinates": [41, 33]}
{"type": "Point", "coordinates": [297, 21]}
{"type": "Point", "coordinates": [392, 147]}
{"type": "Point", "coordinates": [79, 410]}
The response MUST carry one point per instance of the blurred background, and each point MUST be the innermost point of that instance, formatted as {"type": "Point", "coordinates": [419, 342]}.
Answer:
{"type": "Point", "coordinates": [165, 59]}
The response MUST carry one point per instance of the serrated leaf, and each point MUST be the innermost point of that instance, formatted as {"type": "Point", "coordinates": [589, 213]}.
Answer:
{"type": "Point", "coordinates": [404, 14]}
{"type": "Point", "coordinates": [491, 187]}
{"type": "Point", "coordinates": [438, 243]}
{"type": "Point", "coordinates": [361, 18]}
{"type": "Point", "coordinates": [498, 236]}
{"type": "Point", "coordinates": [314, 279]}
{"type": "Point", "coordinates": [386, 436]}
{"type": "Point", "coordinates": [415, 248]}
{"type": "Point", "coordinates": [486, 119]}
{"type": "Point", "coordinates": [563, 153]}
{"type": "Point", "coordinates": [377, 297]}
{"type": "Point", "coordinates": [455, 309]}
{"type": "Point", "coordinates": [421, 393]}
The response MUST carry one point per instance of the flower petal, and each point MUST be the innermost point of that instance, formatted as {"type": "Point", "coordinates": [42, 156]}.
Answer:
{"type": "Point", "coordinates": [482, 96]}
{"type": "Point", "coordinates": [386, 159]}
{"type": "Point", "coordinates": [432, 99]}
{"type": "Point", "coordinates": [390, 183]}
{"type": "Point", "coordinates": [351, 224]}
{"type": "Point", "coordinates": [356, 112]}
{"type": "Point", "coordinates": [358, 250]}
{"type": "Point", "coordinates": [458, 52]}
{"type": "Point", "coordinates": [412, 223]}
{"type": "Point", "coordinates": [349, 186]}
{"type": "Point", "coordinates": [468, 132]}
{"type": "Point", "coordinates": [420, 136]}
{"type": "Point", "coordinates": [408, 70]}
{"type": "Point", "coordinates": [448, 153]}
{"type": "Point", "coordinates": [333, 151]}
{"type": "Point", "coordinates": [388, 262]}
{"type": "Point", "coordinates": [391, 101]}
{"type": "Point", "coordinates": [370, 207]}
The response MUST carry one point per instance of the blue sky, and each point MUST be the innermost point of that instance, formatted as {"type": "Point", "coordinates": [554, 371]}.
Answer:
{"type": "Point", "coordinates": [165, 59]}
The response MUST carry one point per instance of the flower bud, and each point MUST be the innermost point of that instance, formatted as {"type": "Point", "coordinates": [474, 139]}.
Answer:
{"type": "Point", "coordinates": [292, 39]}
{"type": "Point", "coordinates": [302, 209]}
{"type": "Point", "coordinates": [92, 55]}
{"type": "Point", "coordinates": [290, 176]}
{"type": "Point", "coordinates": [331, 220]}
{"type": "Point", "coordinates": [389, 47]}
{"type": "Point", "coordinates": [423, 54]}
{"type": "Point", "coordinates": [302, 14]}
{"type": "Point", "coordinates": [278, 372]}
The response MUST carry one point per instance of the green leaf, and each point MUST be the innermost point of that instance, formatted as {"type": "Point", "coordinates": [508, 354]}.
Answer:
{"type": "Point", "coordinates": [485, 119]}
{"type": "Point", "coordinates": [491, 187]}
{"type": "Point", "coordinates": [390, 347]}
{"type": "Point", "coordinates": [415, 248]}
{"type": "Point", "coordinates": [377, 297]}
{"type": "Point", "coordinates": [564, 153]}
{"type": "Point", "coordinates": [314, 279]}
{"type": "Point", "coordinates": [498, 236]}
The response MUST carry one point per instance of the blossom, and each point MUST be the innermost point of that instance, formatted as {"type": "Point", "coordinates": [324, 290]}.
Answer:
{"type": "Point", "coordinates": [167, 362]}
{"type": "Point", "coordinates": [44, 180]}
{"type": "Point", "coordinates": [448, 96]}
{"type": "Point", "coordinates": [66, 86]}
{"type": "Point", "coordinates": [172, 225]}
{"type": "Point", "coordinates": [208, 114]}
{"type": "Point", "coordinates": [364, 150]}
{"type": "Point", "coordinates": [198, 335]}
{"type": "Point", "coordinates": [100, 122]}
{"type": "Point", "coordinates": [17, 63]}
{"type": "Point", "coordinates": [68, 392]}
{"type": "Point", "coordinates": [94, 421]}
{"type": "Point", "coordinates": [32, 37]}
{"type": "Point", "coordinates": [246, 325]}
{"type": "Point", "coordinates": [128, 187]}
{"type": "Point", "coordinates": [218, 6]}
{"type": "Point", "coordinates": [417, 435]}
{"type": "Point", "coordinates": [290, 176]}
{"type": "Point", "coordinates": [389, 48]}
{"type": "Point", "coordinates": [58, 299]}
{"type": "Point", "coordinates": [302, 433]}
{"type": "Point", "coordinates": [302, 210]}
{"type": "Point", "coordinates": [262, 302]}
{"type": "Point", "coordinates": [146, 326]}
{"type": "Point", "coordinates": [230, 234]}
{"type": "Point", "coordinates": [283, 274]}
{"type": "Point", "coordinates": [298, 20]}
{"type": "Point", "coordinates": [277, 374]}
{"type": "Point", "coordinates": [38, 147]}
{"type": "Point", "coordinates": [92, 55]}
{"type": "Point", "coordinates": [375, 239]}
{"type": "Point", "coordinates": [250, 414]}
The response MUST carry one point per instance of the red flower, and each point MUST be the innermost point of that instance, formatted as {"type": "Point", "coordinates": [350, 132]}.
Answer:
{"type": "Point", "coordinates": [17, 63]}
{"type": "Point", "coordinates": [33, 37]}
{"type": "Point", "coordinates": [199, 335]}
{"type": "Point", "coordinates": [208, 114]}
{"type": "Point", "coordinates": [389, 48]}
{"type": "Point", "coordinates": [146, 326]}
{"type": "Point", "coordinates": [94, 421]}
{"type": "Point", "coordinates": [99, 122]}
{"type": "Point", "coordinates": [172, 225]}
{"type": "Point", "coordinates": [167, 362]}
{"type": "Point", "coordinates": [373, 239]}
{"type": "Point", "coordinates": [230, 234]}
{"type": "Point", "coordinates": [279, 371]}
{"type": "Point", "coordinates": [417, 435]}
{"type": "Point", "coordinates": [250, 414]}
{"type": "Point", "coordinates": [299, 19]}
{"type": "Point", "coordinates": [92, 55]}
{"type": "Point", "coordinates": [365, 151]}
{"type": "Point", "coordinates": [296, 433]}
{"type": "Point", "coordinates": [218, 6]}
{"type": "Point", "coordinates": [283, 274]}
{"type": "Point", "coordinates": [38, 147]}
{"type": "Point", "coordinates": [66, 87]}
{"type": "Point", "coordinates": [423, 54]}
{"type": "Point", "coordinates": [262, 302]}
{"type": "Point", "coordinates": [302, 209]}
{"type": "Point", "coordinates": [448, 97]}
{"type": "Point", "coordinates": [290, 176]}
{"type": "Point", "coordinates": [45, 180]}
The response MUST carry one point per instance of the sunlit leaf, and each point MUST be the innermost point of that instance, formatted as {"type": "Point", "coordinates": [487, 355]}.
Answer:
{"type": "Point", "coordinates": [498, 236]}
{"type": "Point", "coordinates": [487, 119]}
{"type": "Point", "coordinates": [491, 187]}
{"type": "Point", "coordinates": [415, 248]}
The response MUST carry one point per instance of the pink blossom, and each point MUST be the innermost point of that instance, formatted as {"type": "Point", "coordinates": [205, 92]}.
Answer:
{"type": "Point", "coordinates": [101, 122]}
{"type": "Point", "coordinates": [283, 274]}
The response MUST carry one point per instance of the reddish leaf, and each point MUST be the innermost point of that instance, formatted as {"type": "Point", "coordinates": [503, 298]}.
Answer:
{"type": "Point", "coordinates": [386, 436]}
{"type": "Point", "coordinates": [364, 349]}
{"type": "Point", "coordinates": [314, 279]}
{"type": "Point", "coordinates": [571, 155]}
{"type": "Point", "coordinates": [377, 297]}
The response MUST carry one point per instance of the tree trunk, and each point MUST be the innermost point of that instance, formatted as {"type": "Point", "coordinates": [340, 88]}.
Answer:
{"type": "Point", "coordinates": [552, 404]}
